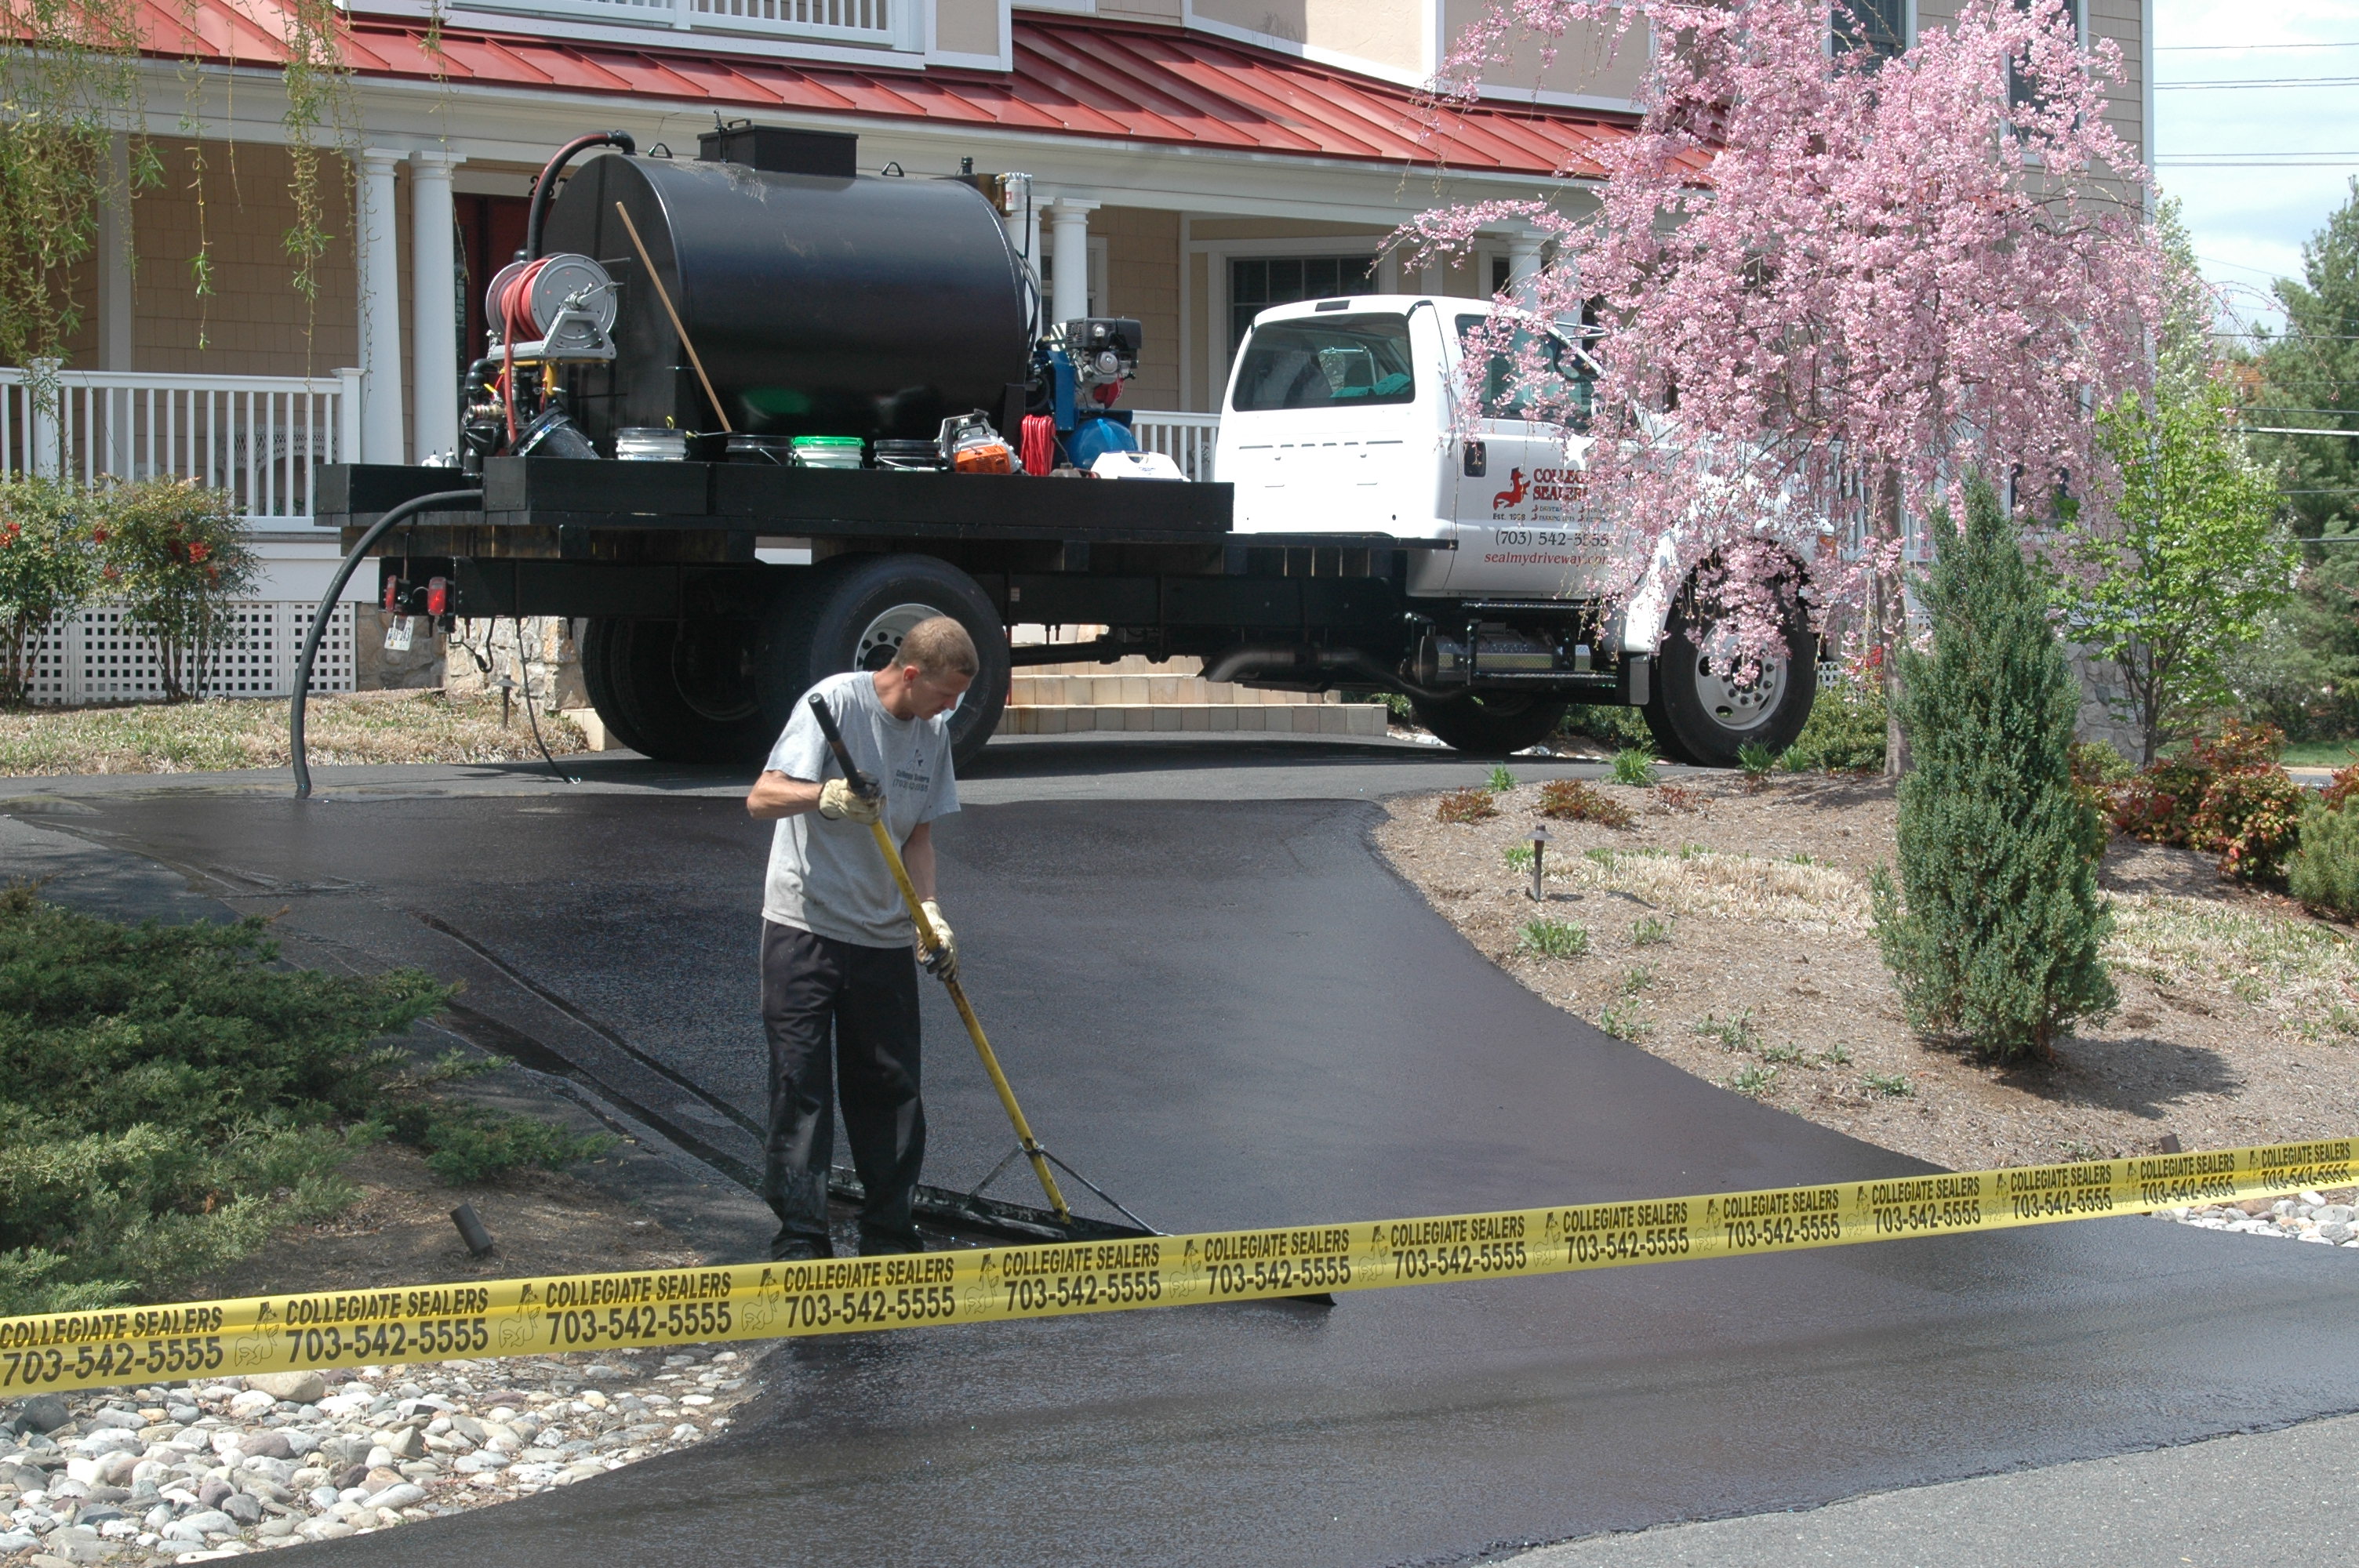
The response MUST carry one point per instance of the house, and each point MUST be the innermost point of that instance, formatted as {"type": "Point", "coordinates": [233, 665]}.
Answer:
{"type": "Point", "coordinates": [1191, 161]}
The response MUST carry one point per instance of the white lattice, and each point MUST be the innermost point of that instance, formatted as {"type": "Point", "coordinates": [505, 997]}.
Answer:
{"type": "Point", "coordinates": [94, 657]}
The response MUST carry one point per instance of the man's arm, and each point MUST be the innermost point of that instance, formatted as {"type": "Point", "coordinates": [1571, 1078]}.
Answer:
{"type": "Point", "coordinates": [775, 794]}
{"type": "Point", "coordinates": [918, 855]}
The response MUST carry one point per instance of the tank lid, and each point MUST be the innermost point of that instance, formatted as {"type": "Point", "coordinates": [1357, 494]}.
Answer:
{"type": "Point", "coordinates": [782, 149]}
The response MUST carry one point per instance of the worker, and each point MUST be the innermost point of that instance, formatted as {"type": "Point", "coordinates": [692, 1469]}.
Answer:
{"type": "Point", "coordinates": [838, 946]}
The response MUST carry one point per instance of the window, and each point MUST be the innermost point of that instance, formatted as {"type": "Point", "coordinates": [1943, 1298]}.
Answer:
{"type": "Point", "coordinates": [1878, 26]}
{"type": "Point", "coordinates": [1257, 284]}
{"type": "Point", "coordinates": [2019, 92]}
{"type": "Point", "coordinates": [1566, 400]}
{"type": "Point", "coordinates": [1327, 362]}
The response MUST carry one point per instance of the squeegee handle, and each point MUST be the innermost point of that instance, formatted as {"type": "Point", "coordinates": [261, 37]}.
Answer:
{"type": "Point", "coordinates": [861, 784]}
{"type": "Point", "coordinates": [865, 787]}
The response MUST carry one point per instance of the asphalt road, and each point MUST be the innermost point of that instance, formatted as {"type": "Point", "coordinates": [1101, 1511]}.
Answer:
{"type": "Point", "coordinates": [1219, 1003]}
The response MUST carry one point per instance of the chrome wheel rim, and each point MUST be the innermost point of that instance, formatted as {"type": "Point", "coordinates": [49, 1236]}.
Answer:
{"type": "Point", "coordinates": [1737, 697]}
{"type": "Point", "coordinates": [883, 637]}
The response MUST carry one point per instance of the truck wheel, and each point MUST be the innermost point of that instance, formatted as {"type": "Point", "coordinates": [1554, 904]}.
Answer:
{"type": "Point", "coordinates": [680, 691]}
{"type": "Point", "coordinates": [851, 614]}
{"type": "Point", "coordinates": [1490, 724]}
{"type": "Point", "coordinates": [1704, 710]}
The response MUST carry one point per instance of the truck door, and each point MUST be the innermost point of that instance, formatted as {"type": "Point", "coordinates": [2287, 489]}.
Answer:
{"type": "Point", "coordinates": [1330, 426]}
{"type": "Point", "coordinates": [1521, 524]}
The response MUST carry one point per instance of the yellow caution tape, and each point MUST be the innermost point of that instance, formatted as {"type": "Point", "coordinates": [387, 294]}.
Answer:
{"type": "Point", "coordinates": [762, 1300]}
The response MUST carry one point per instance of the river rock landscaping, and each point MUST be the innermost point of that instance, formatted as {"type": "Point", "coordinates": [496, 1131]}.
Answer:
{"type": "Point", "coordinates": [195, 1472]}
{"type": "Point", "coordinates": [1725, 927]}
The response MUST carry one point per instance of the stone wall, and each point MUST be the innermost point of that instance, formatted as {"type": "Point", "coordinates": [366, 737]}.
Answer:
{"type": "Point", "coordinates": [550, 667]}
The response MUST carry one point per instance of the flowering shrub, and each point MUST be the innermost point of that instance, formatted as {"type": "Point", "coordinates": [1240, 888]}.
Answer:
{"type": "Point", "coordinates": [45, 569]}
{"type": "Point", "coordinates": [2232, 799]}
{"type": "Point", "coordinates": [175, 553]}
{"type": "Point", "coordinates": [1571, 800]}
{"type": "Point", "coordinates": [2339, 788]}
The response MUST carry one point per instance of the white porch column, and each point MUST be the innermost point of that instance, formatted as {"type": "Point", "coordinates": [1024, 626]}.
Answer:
{"type": "Point", "coordinates": [115, 305]}
{"type": "Point", "coordinates": [434, 306]}
{"type": "Point", "coordinates": [1069, 238]}
{"type": "Point", "coordinates": [379, 266]}
{"type": "Point", "coordinates": [1523, 258]}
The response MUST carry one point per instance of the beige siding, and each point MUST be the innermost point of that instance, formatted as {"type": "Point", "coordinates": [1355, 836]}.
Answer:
{"type": "Point", "coordinates": [1142, 10]}
{"type": "Point", "coordinates": [1143, 281]}
{"type": "Point", "coordinates": [254, 323]}
{"type": "Point", "coordinates": [2120, 20]}
{"type": "Point", "coordinates": [1386, 33]}
{"type": "Point", "coordinates": [1592, 60]}
{"type": "Point", "coordinates": [968, 27]}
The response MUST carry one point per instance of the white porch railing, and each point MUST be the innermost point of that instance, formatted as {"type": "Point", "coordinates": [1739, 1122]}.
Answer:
{"type": "Point", "coordinates": [1186, 438]}
{"type": "Point", "coordinates": [261, 438]}
{"type": "Point", "coordinates": [889, 24]}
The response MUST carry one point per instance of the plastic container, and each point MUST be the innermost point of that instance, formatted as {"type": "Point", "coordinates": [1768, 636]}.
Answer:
{"type": "Point", "coordinates": [650, 443]}
{"type": "Point", "coordinates": [747, 449]}
{"type": "Point", "coordinates": [907, 454]}
{"type": "Point", "coordinates": [827, 451]}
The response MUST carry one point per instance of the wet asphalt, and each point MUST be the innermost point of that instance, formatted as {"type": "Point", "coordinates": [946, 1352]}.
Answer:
{"type": "Point", "coordinates": [1218, 1002]}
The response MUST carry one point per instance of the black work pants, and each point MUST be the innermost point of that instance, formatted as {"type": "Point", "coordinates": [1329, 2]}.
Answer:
{"type": "Point", "coordinates": [867, 997]}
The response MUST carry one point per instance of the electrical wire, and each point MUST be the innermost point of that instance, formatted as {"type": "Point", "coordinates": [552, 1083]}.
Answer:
{"type": "Point", "coordinates": [2214, 48]}
{"type": "Point", "coordinates": [532, 718]}
{"type": "Point", "coordinates": [2226, 83]}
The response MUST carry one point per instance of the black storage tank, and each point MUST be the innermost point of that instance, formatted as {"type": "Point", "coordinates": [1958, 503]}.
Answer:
{"type": "Point", "coordinates": [822, 306]}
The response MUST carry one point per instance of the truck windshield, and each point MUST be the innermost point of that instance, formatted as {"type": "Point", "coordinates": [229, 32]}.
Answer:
{"type": "Point", "coordinates": [1564, 393]}
{"type": "Point", "coordinates": [1326, 361]}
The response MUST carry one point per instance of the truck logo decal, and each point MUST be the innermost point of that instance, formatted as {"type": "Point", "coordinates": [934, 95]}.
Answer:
{"type": "Point", "coordinates": [1514, 495]}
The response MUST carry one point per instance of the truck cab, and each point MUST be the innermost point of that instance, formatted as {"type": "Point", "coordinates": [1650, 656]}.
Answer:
{"type": "Point", "coordinates": [1343, 418]}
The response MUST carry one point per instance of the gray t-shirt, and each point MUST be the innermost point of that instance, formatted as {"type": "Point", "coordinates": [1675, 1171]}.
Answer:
{"type": "Point", "coordinates": [828, 877]}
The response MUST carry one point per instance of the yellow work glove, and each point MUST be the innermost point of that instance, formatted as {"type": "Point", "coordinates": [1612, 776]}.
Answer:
{"type": "Point", "coordinates": [838, 802]}
{"type": "Point", "coordinates": [942, 962]}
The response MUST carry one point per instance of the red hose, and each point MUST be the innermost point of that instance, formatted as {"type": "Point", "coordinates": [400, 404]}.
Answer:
{"type": "Point", "coordinates": [515, 315]}
{"type": "Point", "coordinates": [1038, 446]}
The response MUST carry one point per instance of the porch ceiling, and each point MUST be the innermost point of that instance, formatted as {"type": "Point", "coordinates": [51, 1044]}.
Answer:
{"type": "Point", "coordinates": [1089, 78]}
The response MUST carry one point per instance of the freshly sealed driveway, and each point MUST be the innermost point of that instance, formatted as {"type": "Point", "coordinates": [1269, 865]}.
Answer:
{"type": "Point", "coordinates": [1226, 1009]}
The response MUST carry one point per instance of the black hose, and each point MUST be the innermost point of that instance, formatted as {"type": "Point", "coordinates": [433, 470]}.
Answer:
{"type": "Point", "coordinates": [378, 530]}
{"type": "Point", "coordinates": [544, 190]}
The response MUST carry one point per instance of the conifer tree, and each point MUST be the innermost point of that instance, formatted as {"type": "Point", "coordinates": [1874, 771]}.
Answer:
{"type": "Point", "coordinates": [1991, 934]}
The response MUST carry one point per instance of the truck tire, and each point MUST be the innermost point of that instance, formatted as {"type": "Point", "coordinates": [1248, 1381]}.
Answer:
{"type": "Point", "coordinates": [1705, 715]}
{"type": "Point", "coordinates": [1490, 724]}
{"type": "Point", "coordinates": [852, 612]}
{"type": "Point", "coordinates": [680, 691]}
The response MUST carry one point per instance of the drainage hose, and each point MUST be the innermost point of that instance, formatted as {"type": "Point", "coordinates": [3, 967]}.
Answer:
{"type": "Point", "coordinates": [378, 530]}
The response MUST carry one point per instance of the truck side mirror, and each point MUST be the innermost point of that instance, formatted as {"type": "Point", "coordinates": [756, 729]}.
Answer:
{"type": "Point", "coordinates": [1478, 460]}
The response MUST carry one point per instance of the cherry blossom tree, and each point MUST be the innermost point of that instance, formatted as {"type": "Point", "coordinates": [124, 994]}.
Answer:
{"type": "Point", "coordinates": [1826, 286]}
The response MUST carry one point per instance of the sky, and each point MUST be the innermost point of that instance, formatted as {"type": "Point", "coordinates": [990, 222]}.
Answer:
{"type": "Point", "coordinates": [2256, 169]}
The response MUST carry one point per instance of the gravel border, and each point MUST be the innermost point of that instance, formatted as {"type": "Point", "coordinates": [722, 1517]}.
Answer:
{"type": "Point", "coordinates": [2311, 1216]}
{"type": "Point", "coordinates": [197, 1472]}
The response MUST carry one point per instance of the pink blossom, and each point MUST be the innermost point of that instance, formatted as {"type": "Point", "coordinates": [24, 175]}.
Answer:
{"type": "Point", "coordinates": [1850, 283]}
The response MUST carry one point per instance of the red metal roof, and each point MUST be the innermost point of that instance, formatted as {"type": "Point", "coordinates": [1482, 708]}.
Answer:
{"type": "Point", "coordinates": [1105, 80]}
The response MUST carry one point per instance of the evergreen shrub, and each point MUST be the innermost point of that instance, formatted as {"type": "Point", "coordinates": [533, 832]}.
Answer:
{"type": "Point", "coordinates": [1993, 930]}
{"type": "Point", "coordinates": [1846, 732]}
{"type": "Point", "coordinates": [2324, 872]}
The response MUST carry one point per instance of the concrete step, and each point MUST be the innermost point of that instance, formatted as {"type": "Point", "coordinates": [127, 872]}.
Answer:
{"type": "Point", "coordinates": [1210, 718]}
{"type": "Point", "coordinates": [1128, 664]}
{"type": "Point", "coordinates": [1100, 690]}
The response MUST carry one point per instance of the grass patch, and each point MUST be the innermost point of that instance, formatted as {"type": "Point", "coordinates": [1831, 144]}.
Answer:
{"type": "Point", "coordinates": [1738, 1033]}
{"type": "Point", "coordinates": [1571, 800]}
{"type": "Point", "coordinates": [1501, 780]}
{"type": "Point", "coordinates": [251, 732]}
{"type": "Point", "coordinates": [1626, 1020]}
{"type": "Point", "coordinates": [1553, 939]}
{"type": "Point", "coordinates": [1518, 857]}
{"type": "Point", "coordinates": [1638, 978]}
{"type": "Point", "coordinates": [1892, 1086]}
{"type": "Point", "coordinates": [1834, 1056]}
{"type": "Point", "coordinates": [1465, 805]}
{"type": "Point", "coordinates": [1646, 931]}
{"type": "Point", "coordinates": [2319, 754]}
{"type": "Point", "coordinates": [1634, 767]}
{"type": "Point", "coordinates": [2298, 969]}
{"type": "Point", "coordinates": [1786, 1055]}
{"type": "Point", "coordinates": [1754, 1082]}
{"type": "Point", "coordinates": [169, 1095]}
{"type": "Point", "coordinates": [1697, 881]}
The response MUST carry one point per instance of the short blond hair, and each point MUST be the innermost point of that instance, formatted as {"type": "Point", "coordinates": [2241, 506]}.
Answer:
{"type": "Point", "coordinates": [939, 646]}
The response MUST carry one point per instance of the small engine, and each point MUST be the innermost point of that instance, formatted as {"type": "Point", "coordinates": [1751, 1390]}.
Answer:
{"type": "Point", "coordinates": [1086, 363]}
